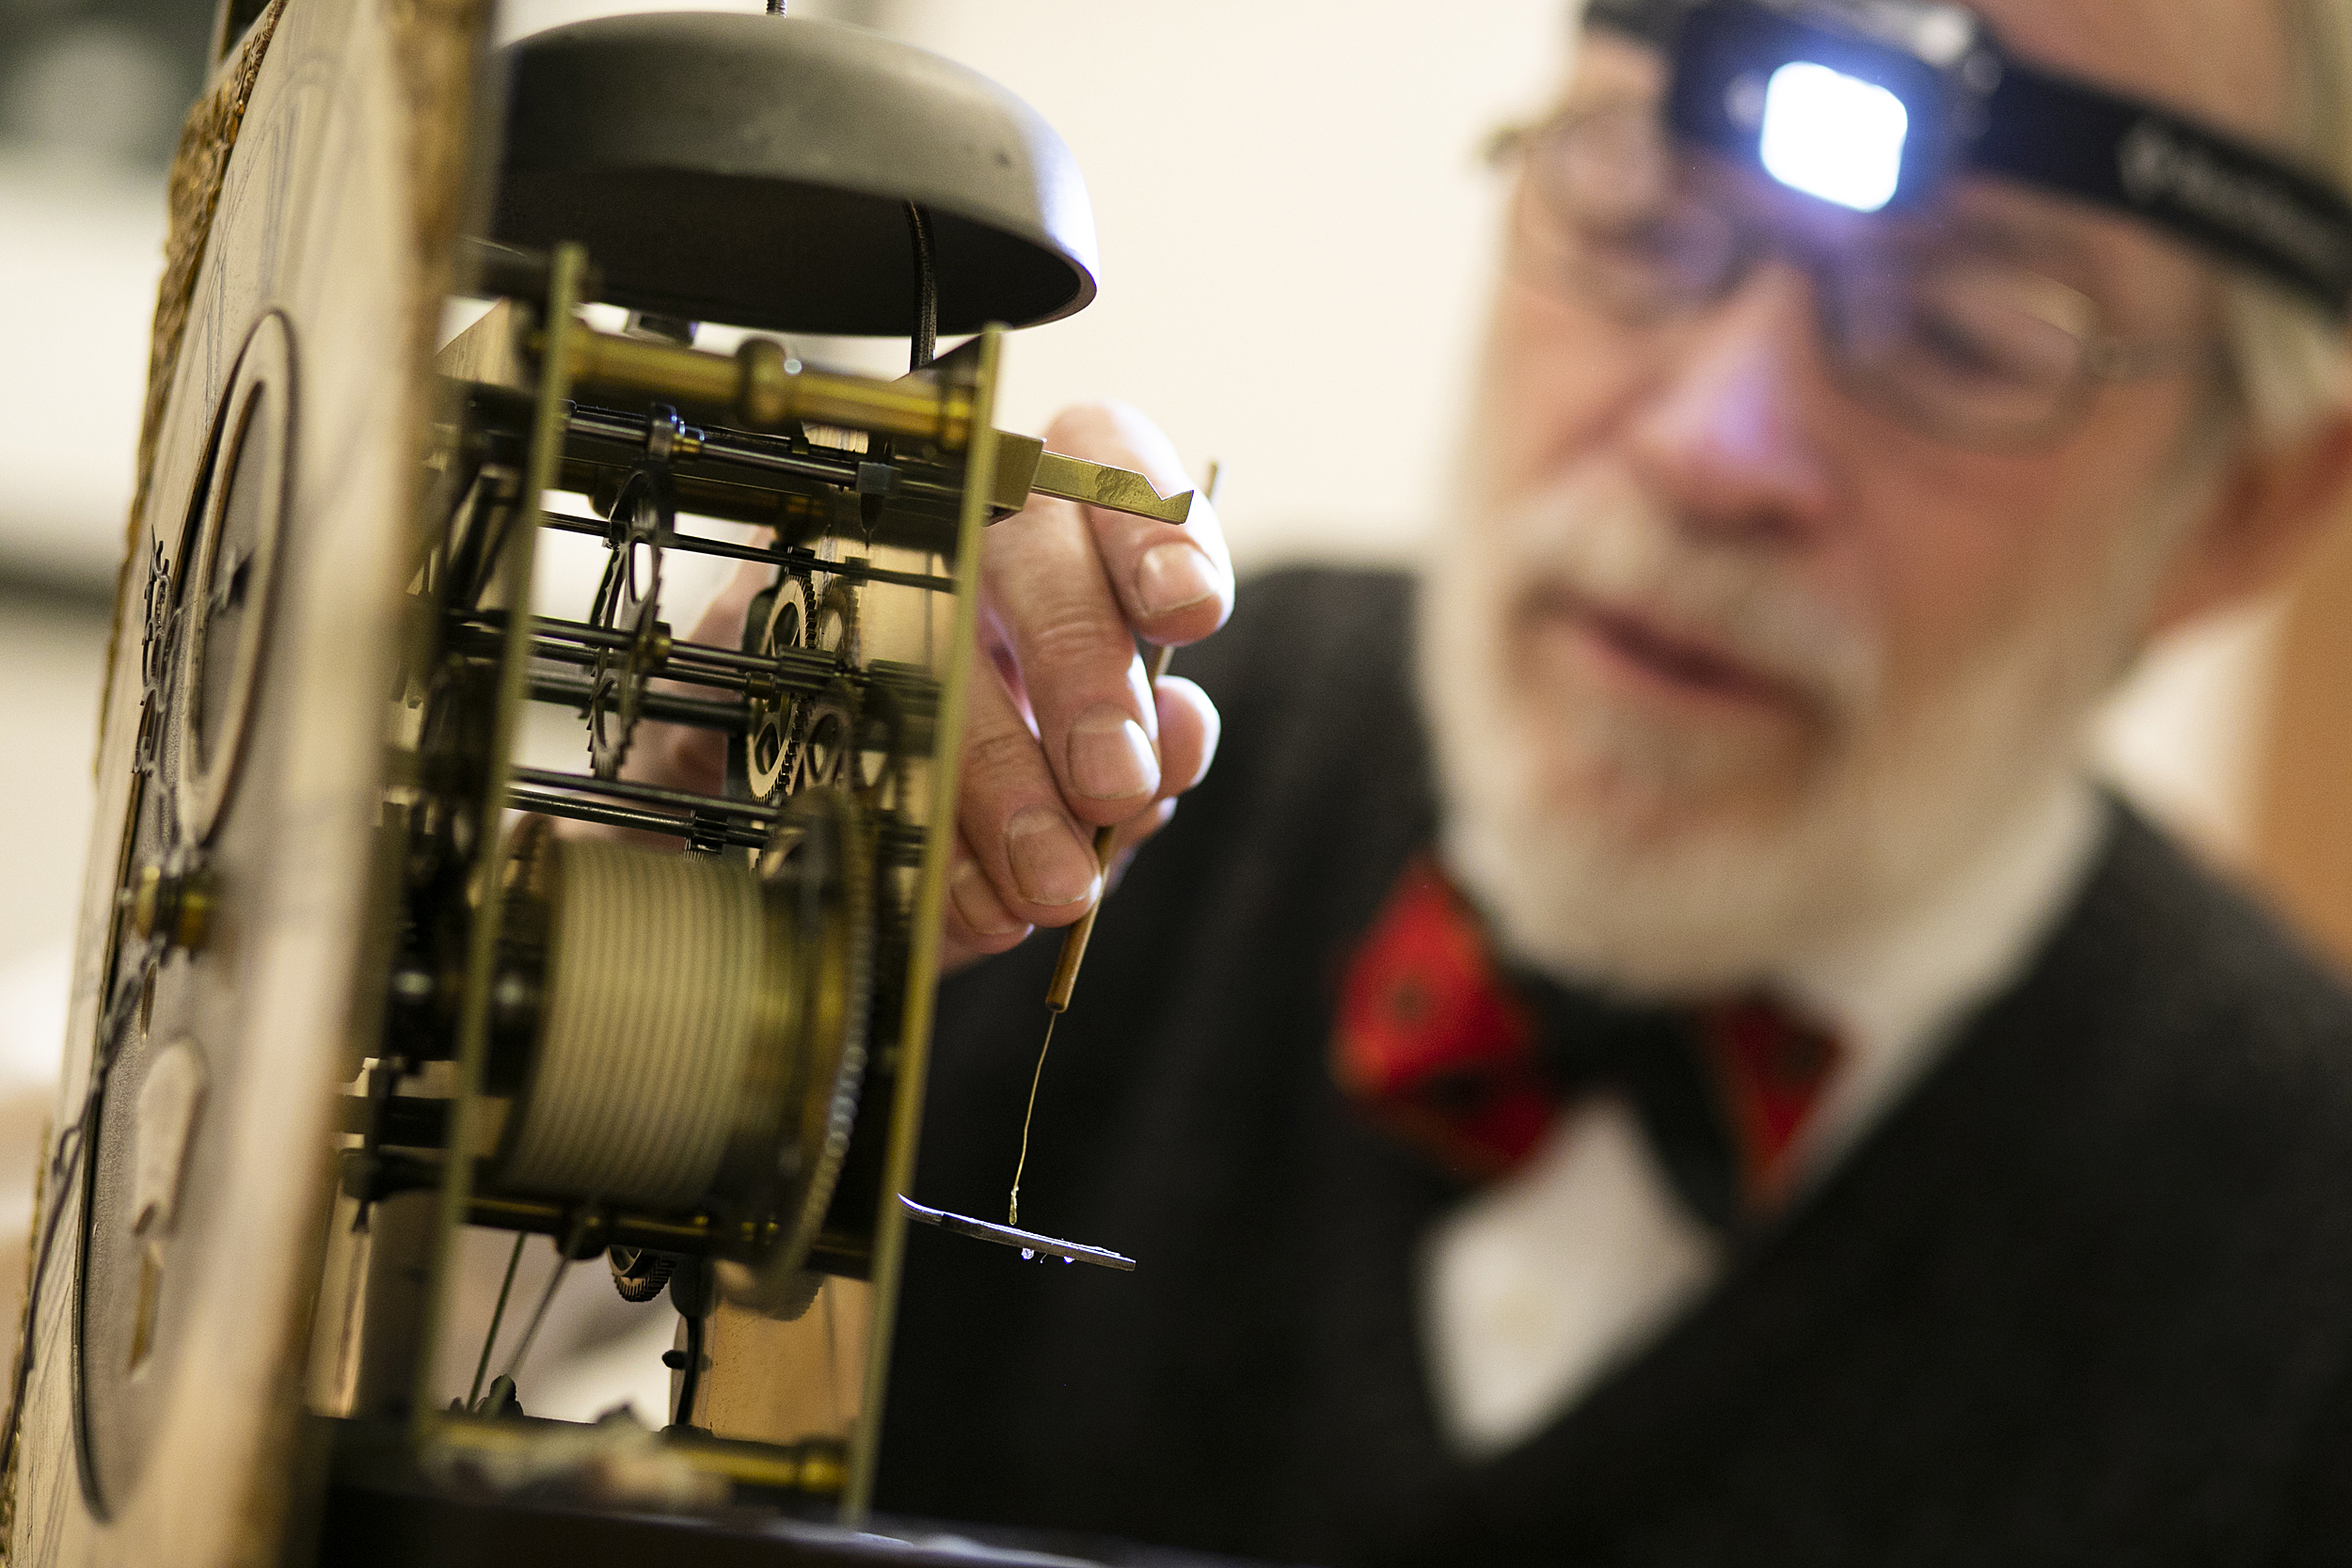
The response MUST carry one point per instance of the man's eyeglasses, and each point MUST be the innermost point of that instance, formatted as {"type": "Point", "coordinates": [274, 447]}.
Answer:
{"type": "Point", "coordinates": [1964, 341]}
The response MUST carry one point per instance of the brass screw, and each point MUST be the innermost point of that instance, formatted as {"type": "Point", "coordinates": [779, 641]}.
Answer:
{"type": "Point", "coordinates": [823, 1465]}
{"type": "Point", "coordinates": [178, 905]}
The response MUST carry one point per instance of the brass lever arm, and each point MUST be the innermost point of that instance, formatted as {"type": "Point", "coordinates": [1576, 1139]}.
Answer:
{"type": "Point", "coordinates": [762, 389]}
{"type": "Point", "coordinates": [1024, 467]}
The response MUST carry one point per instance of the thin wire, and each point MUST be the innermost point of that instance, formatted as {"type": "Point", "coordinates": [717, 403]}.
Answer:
{"type": "Point", "coordinates": [925, 337]}
{"type": "Point", "coordinates": [538, 1316]}
{"type": "Point", "coordinates": [498, 1315]}
{"type": "Point", "coordinates": [1013, 1208]}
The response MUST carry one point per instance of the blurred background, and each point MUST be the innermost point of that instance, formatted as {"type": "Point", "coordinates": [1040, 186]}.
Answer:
{"type": "Point", "coordinates": [1295, 229]}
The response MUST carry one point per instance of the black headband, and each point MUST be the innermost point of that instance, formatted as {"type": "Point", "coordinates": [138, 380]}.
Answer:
{"type": "Point", "coordinates": [2008, 116]}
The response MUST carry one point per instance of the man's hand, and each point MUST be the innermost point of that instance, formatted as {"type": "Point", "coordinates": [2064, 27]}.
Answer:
{"type": "Point", "coordinates": [1065, 733]}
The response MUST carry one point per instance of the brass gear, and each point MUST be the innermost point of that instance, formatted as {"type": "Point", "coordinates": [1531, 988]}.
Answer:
{"type": "Point", "coordinates": [825, 836]}
{"type": "Point", "coordinates": [777, 725]}
{"type": "Point", "coordinates": [628, 600]}
{"type": "Point", "coordinates": [833, 626]}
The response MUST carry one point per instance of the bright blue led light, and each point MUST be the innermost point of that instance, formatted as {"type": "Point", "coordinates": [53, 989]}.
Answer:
{"type": "Point", "coordinates": [1834, 135]}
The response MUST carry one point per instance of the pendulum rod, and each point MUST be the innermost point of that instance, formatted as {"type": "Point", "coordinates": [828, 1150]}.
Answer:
{"type": "Point", "coordinates": [922, 968]}
{"type": "Point", "coordinates": [552, 400]}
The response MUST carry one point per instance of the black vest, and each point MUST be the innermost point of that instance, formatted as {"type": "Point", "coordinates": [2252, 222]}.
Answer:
{"type": "Point", "coordinates": [2085, 1295]}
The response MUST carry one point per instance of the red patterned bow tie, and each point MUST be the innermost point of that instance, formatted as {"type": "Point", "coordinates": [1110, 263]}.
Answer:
{"type": "Point", "coordinates": [1472, 1065]}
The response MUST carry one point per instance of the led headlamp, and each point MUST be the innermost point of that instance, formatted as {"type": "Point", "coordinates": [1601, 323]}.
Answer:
{"type": "Point", "coordinates": [1872, 104]}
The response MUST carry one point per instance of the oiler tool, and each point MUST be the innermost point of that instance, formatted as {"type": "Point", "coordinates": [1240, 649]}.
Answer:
{"type": "Point", "coordinates": [1033, 1246]}
{"type": "Point", "coordinates": [1073, 943]}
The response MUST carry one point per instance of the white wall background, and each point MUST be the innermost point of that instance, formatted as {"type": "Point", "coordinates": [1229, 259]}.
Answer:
{"type": "Point", "coordinates": [1294, 225]}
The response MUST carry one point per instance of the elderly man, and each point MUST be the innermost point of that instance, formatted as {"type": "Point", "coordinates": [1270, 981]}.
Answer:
{"type": "Point", "coordinates": [1652, 1049]}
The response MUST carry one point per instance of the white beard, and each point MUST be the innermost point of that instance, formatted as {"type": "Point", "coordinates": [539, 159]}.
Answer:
{"type": "Point", "coordinates": [1612, 845]}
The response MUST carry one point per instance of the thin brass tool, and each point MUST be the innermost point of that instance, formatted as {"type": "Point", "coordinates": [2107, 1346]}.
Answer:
{"type": "Point", "coordinates": [1073, 943]}
{"type": "Point", "coordinates": [1025, 468]}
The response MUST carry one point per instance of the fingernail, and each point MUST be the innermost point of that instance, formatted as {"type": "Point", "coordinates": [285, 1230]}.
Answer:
{"type": "Point", "coordinates": [1172, 576]}
{"type": "Point", "coordinates": [977, 903]}
{"type": "Point", "coordinates": [1110, 758]}
{"type": "Point", "coordinates": [1049, 864]}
